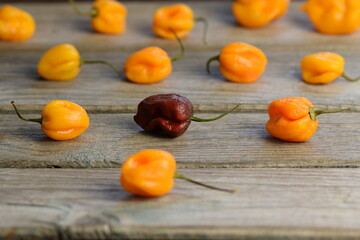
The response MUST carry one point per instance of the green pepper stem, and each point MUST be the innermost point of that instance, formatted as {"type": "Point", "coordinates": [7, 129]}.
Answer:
{"type": "Point", "coordinates": [83, 61]}
{"type": "Point", "coordinates": [92, 13]}
{"type": "Point", "coordinates": [214, 58]}
{"type": "Point", "coordinates": [180, 176]}
{"type": "Point", "coordinates": [38, 120]}
{"type": "Point", "coordinates": [314, 113]}
{"type": "Point", "coordinates": [206, 26]}
{"type": "Point", "coordinates": [344, 75]}
{"type": "Point", "coordinates": [196, 119]}
{"type": "Point", "coordinates": [182, 48]}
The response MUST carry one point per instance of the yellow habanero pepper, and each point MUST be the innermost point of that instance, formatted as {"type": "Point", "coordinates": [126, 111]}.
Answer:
{"type": "Point", "coordinates": [334, 16]}
{"type": "Point", "coordinates": [15, 24]}
{"type": "Point", "coordinates": [258, 13]}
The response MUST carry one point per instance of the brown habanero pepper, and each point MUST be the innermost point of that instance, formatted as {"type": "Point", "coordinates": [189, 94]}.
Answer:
{"type": "Point", "coordinates": [168, 113]}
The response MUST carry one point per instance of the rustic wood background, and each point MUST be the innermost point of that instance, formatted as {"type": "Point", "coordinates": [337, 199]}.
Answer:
{"type": "Point", "coordinates": [277, 199]}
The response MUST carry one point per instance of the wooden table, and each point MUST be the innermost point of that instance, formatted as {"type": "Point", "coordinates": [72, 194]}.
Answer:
{"type": "Point", "coordinates": [70, 190]}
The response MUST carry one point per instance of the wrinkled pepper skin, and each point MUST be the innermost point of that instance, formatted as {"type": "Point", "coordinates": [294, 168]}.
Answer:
{"type": "Point", "coordinates": [241, 62]}
{"type": "Point", "coordinates": [258, 13]}
{"type": "Point", "coordinates": [322, 68]}
{"type": "Point", "coordinates": [60, 63]}
{"type": "Point", "coordinates": [149, 65]}
{"type": "Point", "coordinates": [15, 24]}
{"type": "Point", "coordinates": [178, 17]}
{"type": "Point", "coordinates": [290, 119]}
{"type": "Point", "coordinates": [111, 17]}
{"type": "Point", "coordinates": [148, 173]}
{"type": "Point", "coordinates": [63, 120]}
{"type": "Point", "coordinates": [334, 16]}
{"type": "Point", "coordinates": [168, 113]}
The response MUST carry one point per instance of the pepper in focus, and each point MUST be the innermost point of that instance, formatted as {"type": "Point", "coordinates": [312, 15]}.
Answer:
{"type": "Point", "coordinates": [258, 13]}
{"type": "Point", "coordinates": [63, 62]}
{"type": "Point", "coordinates": [151, 173]}
{"type": "Point", "coordinates": [240, 62]}
{"type": "Point", "coordinates": [293, 119]}
{"type": "Point", "coordinates": [334, 16]}
{"type": "Point", "coordinates": [151, 64]}
{"type": "Point", "coordinates": [168, 113]}
{"type": "Point", "coordinates": [15, 24]}
{"type": "Point", "coordinates": [178, 17]}
{"type": "Point", "coordinates": [107, 16]}
{"type": "Point", "coordinates": [323, 67]}
{"type": "Point", "coordinates": [60, 120]}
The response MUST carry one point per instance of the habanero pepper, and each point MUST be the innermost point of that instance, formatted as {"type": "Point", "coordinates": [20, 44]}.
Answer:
{"type": "Point", "coordinates": [151, 64]}
{"type": "Point", "coordinates": [334, 16]}
{"type": "Point", "coordinates": [63, 62]}
{"type": "Point", "coordinates": [61, 120]}
{"type": "Point", "coordinates": [240, 62]}
{"type": "Point", "coordinates": [15, 24]}
{"type": "Point", "coordinates": [258, 13]}
{"type": "Point", "coordinates": [293, 119]}
{"type": "Point", "coordinates": [178, 17]}
{"type": "Point", "coordinates": [107, 16]}
{"type": "Point", "coordinates": [168, 113]}
{"type": "Point", "coordinates": [323, 67]}
{"type": "Point", "coordinates": [151, 173]}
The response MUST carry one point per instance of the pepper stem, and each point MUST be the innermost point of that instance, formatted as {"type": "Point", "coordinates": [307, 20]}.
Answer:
{"type": "Point", "coordinates": [196, 119]}
{"type": "Point", "coordinates": [214, 58]}
{"type": "Point", "coordinates": [38, 120]}
{"type": "Point", "coordinates": [92, 13]}
{"type": "Point", "coordinates": [180, 176]}
{"type": "Point", "coordinates": [182, 48]}
{"type": "Point", "coordinates": [206, 26]}
{"type": "Point", "coordinates": [83, 61]}
{"type": "Point", "coordinates": [344, 75]}
{"type": "Point", "coordinates": [314, 113]}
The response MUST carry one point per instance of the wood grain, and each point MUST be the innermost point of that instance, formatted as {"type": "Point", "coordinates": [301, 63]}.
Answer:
{"type": "Point", "coordinates": [237, 140]}
{"type": "Point", "coordinates": [272, 204]}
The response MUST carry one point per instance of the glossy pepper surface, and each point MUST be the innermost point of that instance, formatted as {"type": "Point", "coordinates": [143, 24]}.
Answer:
{"type": "Point", "coordinates": [257, 13]}
{"type": "Point", "coordinates": [61, 120]}
{"type": "Point", "coordinates": [240, 62]}
{"type": "Point", "coordinates": [15, 24]}
{"type": "Point", "coordinates": [334, 16]}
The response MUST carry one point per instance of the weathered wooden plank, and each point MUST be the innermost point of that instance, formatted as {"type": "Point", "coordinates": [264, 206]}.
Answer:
{"type": "Point", "coordinates": [294, 30]}
{"type": "Point", "coordinates": [238, 140]}
{"type": "Point", "coordinates": [272, 204]}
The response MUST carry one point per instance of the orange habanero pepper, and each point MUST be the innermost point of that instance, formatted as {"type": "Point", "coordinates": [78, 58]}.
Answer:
{"type": "Point", "coordinates": [15, 24]}
{"type": "Point", "coordinates": [240, 62]}
{"type": "Point", "coordinates": [151, 64]}
{"type": "Point", "coordinates": [61, 120]}
{"type": "Point", "coordinates": [323, 67]}
{"type": "Point", "coordinates": [334, 16]}
{"type": "Point", "coordinates": [178, 17]}
{"type": "Point", "coordinates": [258, 13]}
{"type": "Point", "coordinates": [293, 119]}
{"type": "Point", "coordinates": [63, 62]}
{"type": "Point", "coordinates": [107, 16]}
{"type": "Point", "coordinates": [151, 173]}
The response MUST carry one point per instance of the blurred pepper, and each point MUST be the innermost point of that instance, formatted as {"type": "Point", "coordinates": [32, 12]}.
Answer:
{"type": "Point", "coordinates": [107, 16]}
{"type": "Point", "coordinates": [334, 16]}
{"type": "Point", "coordinates": [63, 62]}
{"type": "Point", "coordinates": [151, 64]}
{"type": "Point", "coordinates": [151, 173]}
{"type": "Point", "coordinates": [15, 24]}
{"type": "Point", "coordinates": [257, 13]}
{"type": "Point", "coordinates": [293, 119]}
{"type": "Point", "coordinates": [168, 113]}
{"type": "Point", "coordinates": [178, 17]}
{"type": "Point", "coordinates": [240, 62]}
{"type": "Point", "coordinates": [61, 120]}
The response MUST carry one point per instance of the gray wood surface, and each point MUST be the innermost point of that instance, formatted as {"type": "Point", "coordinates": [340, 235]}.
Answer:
{"type": "Point", "coordinates": [272, 204]}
